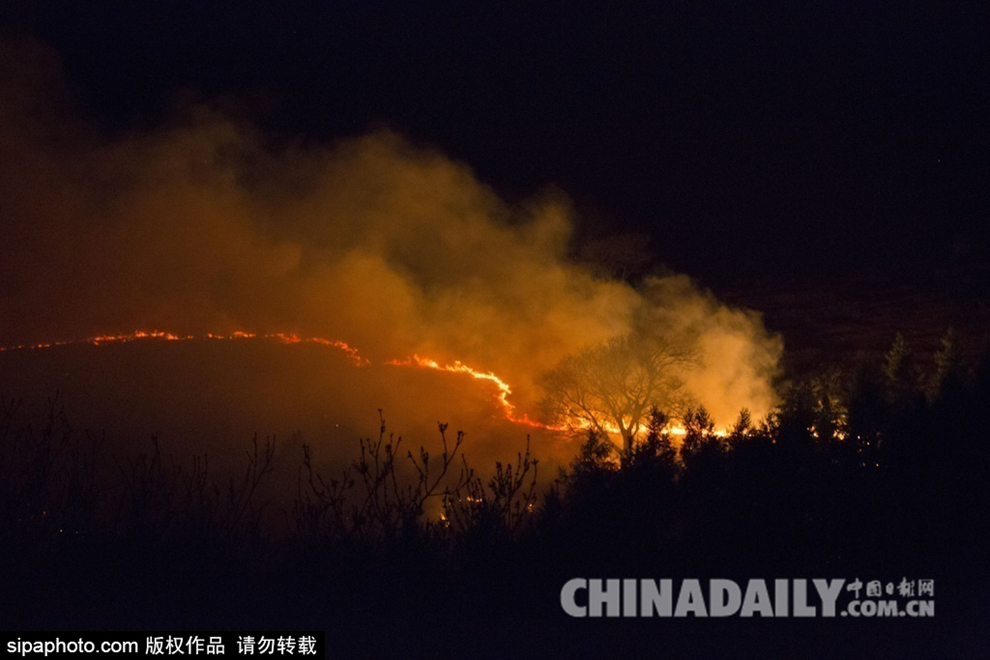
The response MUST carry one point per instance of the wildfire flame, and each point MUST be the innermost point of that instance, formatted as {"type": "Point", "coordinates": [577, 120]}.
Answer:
{"type": "Point", "coordinates": [504, 390]}
{"type": "Point", "coordinates": [280, 337]}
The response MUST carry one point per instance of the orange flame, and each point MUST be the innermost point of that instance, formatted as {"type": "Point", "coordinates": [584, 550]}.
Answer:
{"type": "Point", "coordinates": [284, 338]}
{"type": "Point", "coordinates": [504, 390]}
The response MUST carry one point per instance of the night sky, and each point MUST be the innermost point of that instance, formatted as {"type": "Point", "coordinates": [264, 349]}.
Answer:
{"type": "Point", "coordinates": [756, 146]}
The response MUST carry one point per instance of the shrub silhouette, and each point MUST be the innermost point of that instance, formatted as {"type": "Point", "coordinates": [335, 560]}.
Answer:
{"type": "Point", "coordinates": [853, 474]}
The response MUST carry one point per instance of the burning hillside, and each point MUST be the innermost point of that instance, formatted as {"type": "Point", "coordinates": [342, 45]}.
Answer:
{"type": "Point", "coordinates": [382, 246]}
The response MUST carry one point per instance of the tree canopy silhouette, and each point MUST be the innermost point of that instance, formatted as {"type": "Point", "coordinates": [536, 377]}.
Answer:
{"type": "Point", "coordinates": [609, 387]}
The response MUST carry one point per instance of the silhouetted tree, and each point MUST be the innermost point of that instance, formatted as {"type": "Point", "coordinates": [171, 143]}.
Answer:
{"type": "Point", "coordinates": [657, 450]}
{"type": "Point", "coordinates": [949, 374]}
{"type": "Point", "coordinates": [700, 441]}
{"type": "Point", "coordinates": [866, 414]}
{"type": "Point", "coordinates": [743, 425]}
{"type": "Point", "coordinates": [903, 375]}
{"type": "Point", "coordinates": [609, 387]}
{"type": "Point", "coordinates": [593, 465]}
{"type": "Point", "coordinates": [829, 407]}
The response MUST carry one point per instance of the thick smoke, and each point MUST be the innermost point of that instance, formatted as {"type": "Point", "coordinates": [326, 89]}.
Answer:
{"type": "Point", "coordinates": [204, 226]}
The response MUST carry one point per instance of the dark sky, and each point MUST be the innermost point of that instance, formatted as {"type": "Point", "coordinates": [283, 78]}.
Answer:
{"type": "Point", "coordinates": [748, 140]}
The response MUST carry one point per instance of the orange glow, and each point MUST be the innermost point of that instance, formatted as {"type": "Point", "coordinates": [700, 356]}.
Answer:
{"type": "Point", "coordinates": [280, 337]}
{"type": "Point", "coordinates": [503, 389]}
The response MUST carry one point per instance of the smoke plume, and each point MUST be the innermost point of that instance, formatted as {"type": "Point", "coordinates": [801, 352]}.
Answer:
{"type": "Point", "coordinates": [208, 225]}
